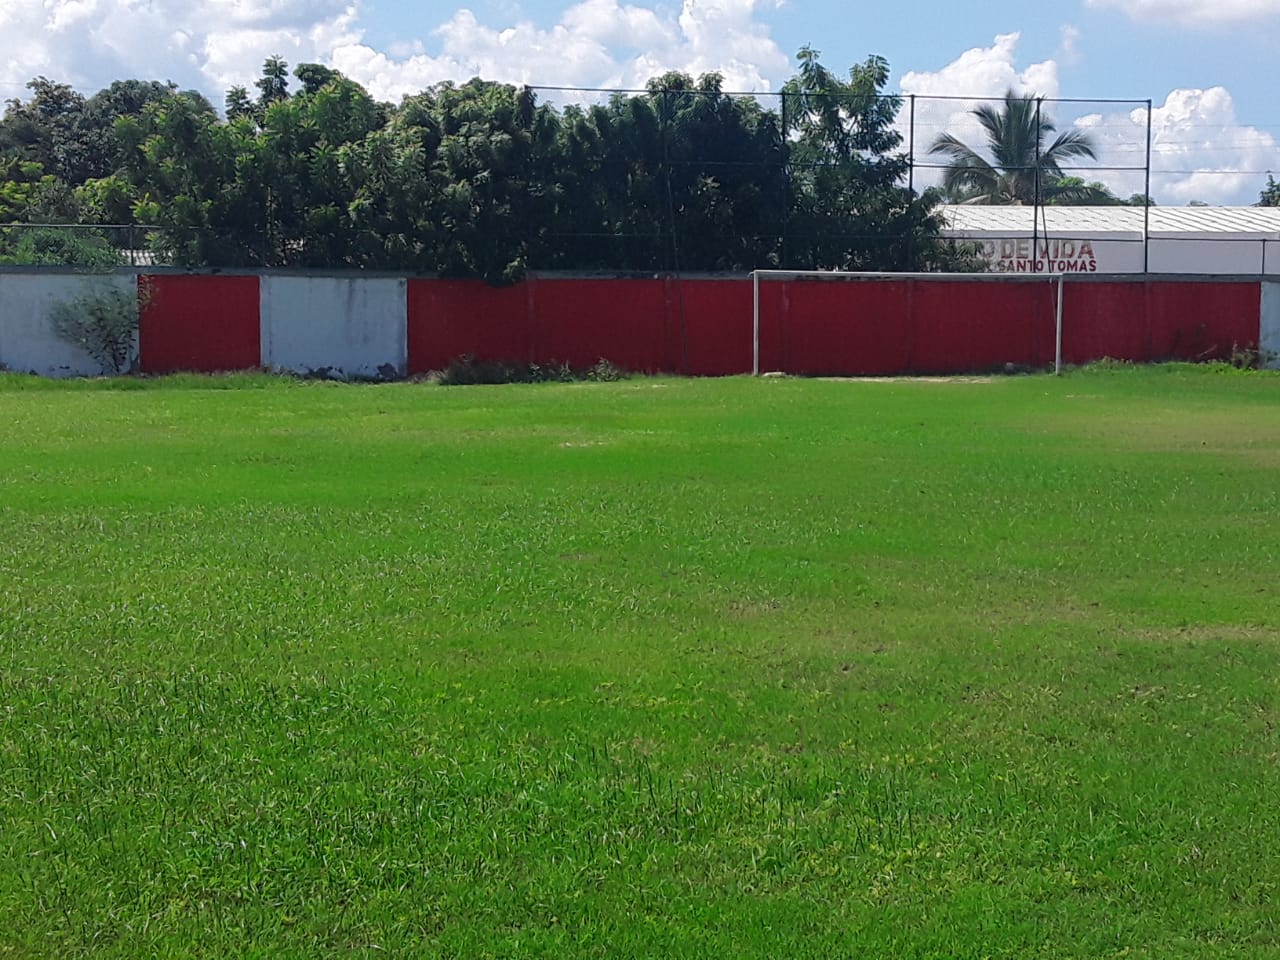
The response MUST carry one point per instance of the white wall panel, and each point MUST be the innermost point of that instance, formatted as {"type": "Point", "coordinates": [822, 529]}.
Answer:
{"type": "Point", "coordinates": [27, 341]}
{"type": "Point", "coordinates": [1269, 332]}
{"type": "Point", "coordinates": [351, 326]}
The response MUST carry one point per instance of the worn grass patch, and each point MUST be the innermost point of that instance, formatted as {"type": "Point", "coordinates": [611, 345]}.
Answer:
{"type": "Point", "coordinates": [656, 668]}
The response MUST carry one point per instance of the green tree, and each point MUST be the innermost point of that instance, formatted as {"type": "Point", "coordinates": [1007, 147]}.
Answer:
{"type": "Point", "coordinates": [850, 207]}
{"type": "Point", "coordinates": [1075, 191]}
{"type": "Point", "coordinates": [1022, 168]}
{"type": "Point", "coordinates": [1270, 195]}
{"type": "Point", "coordinates": [45, 129]}
{"type": "Point", "coordinates": [273, 85]}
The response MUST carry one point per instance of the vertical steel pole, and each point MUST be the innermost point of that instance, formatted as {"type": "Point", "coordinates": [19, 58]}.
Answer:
{"type": "Point", "coordinates": [911, 183]}
{"type": "Point", "coordinates": [911, 147]}
{"type": "Point", "coordinates": [1057, 348]}
{"type": "Point", "coordinates": [1035, 201]}
{"type": "Point", "coordinates": [1146, 201]}
{"type": "Point", "coordinates": [755, 323]}
{"type": "Point", "coordinates": [785, 148]}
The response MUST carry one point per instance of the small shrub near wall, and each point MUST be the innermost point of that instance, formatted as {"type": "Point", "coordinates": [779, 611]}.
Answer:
{"type": "Point", "coordinates": [103, 322]}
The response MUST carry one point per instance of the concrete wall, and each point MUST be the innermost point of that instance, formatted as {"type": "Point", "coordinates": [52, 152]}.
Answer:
{"type": "Point", "coordinates": [27, 341]}
{"type": "Point", "coordinates": [361, 326]}
{"type": "Point", "coordinates": [350, 325]}
{"type": "Point", "coordinates": [1269, 334]}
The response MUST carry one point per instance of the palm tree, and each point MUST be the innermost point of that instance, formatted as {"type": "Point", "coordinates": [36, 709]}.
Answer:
{"type": "Point", "coordinates": [1022, 169]}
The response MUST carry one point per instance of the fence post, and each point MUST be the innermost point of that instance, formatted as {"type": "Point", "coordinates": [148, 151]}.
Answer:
{"type": "Point", "coordinates": [911, 184]}
{"type": "Point", "coordinates": [1035, 201]}
{"type": "Point", "coordinates": [786, 174]}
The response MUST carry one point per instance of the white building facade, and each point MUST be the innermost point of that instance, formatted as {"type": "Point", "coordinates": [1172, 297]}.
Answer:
{"type": "Point", "coordinates": [1214, 241]}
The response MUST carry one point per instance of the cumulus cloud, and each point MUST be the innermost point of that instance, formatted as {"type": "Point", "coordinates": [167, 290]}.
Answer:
{"type": "Point", "coordinates": [208, 44]}
{"type": "Point", "coordinates": [213, 44]}
{"type": "Point", "coordinates": [985, 72]}
{"type": "Point", "coordinates": [595, 43]}
{"type": "Point", "coordinates": [1199, 149]}
{"type": "Point", "coordinates": [1193, 12]}
{"type": "Point", "coordinates": [946, 98]}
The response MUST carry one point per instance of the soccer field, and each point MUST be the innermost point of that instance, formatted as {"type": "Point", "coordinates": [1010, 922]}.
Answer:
{"type": "Point", "coordinates": [667, 668]}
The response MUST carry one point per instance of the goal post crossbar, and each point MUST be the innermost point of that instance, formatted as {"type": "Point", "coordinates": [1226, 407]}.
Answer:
{"type": "Point", "coordinates": [770, 274]}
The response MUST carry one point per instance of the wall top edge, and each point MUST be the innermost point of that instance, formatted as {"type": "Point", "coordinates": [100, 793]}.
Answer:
{"type": "Point", "coordinates": [745, 276]}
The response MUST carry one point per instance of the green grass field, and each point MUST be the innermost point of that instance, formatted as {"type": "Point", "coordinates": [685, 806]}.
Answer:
{"type": "Point", "coordinates": [659, 668]}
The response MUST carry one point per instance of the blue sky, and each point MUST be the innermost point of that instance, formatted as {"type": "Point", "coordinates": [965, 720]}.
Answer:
{"type": "Point", "coordinates": [1203, 63]}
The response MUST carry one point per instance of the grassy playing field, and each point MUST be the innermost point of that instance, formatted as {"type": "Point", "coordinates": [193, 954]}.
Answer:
{"type": "Point", "coordinates": [666, 668]}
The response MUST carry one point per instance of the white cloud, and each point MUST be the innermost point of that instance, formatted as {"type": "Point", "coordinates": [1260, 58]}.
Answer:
{"type": "Point", "coordinates": [209, 44]}
{"type": "Point", "coordinates": [213, 44]}
{"type": "Point", "coordinates": [1193, 12]}
{"type": "Point", "coordinates": [986, 72]}
{"type": "Point", "coordinates": [980, 75]}
{"type": "Point", "coordinates": [1068, 44]}
{"type": "Point", "coordinates": [596, 43]}
{"type": "Point", "coordinates": [1200, 151]}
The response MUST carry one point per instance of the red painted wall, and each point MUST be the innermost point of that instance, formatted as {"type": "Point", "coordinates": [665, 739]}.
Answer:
{"type": "Point", "coordinates": [849, 327]}
{"type": "Point", "coordinates": [839, 327]}
{"type": "Point", "coordinates": [976, 325]}
{"type": "Point", "coordinates": [1202, 321]}
{"type": "Point", "coordinates": [582, 321]}
{"type": "Point", "coordinates": [710, 321]}
{"type": "Point", "coordinates": [450, 318]}
{"type": "Point", "coordinates": [198, 322]}
{"type": "Point", "coordinates": [1159, 320]}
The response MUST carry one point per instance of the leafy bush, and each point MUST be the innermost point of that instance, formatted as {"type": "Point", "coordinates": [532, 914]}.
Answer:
{"type": "Point", "coordinates": [103, 323]}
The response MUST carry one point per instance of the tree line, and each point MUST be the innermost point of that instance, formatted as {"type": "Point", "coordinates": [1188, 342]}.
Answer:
{"type": "Point", "coordinates": [482, 179]}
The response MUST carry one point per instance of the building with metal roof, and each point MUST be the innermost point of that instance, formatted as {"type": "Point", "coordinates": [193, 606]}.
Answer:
{"type": "Point", "coordinates": [1237, 241]}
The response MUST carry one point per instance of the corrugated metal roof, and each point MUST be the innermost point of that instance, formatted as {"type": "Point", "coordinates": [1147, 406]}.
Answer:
{"type": "Point", "coordinates": [1191, 223]}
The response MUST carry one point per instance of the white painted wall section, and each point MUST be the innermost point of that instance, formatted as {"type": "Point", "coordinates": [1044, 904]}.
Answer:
{"type": "Point", "coordinates": [350, 326]}
{"type": "Point", "coordinates": [1269, 331]}
{"type": "Point", "coordinates": [27, 341]}
{"type": "Point", "coordinates": [1215, 257]}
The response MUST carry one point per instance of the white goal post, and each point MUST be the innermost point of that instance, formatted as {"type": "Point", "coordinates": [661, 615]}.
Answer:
{"type": "Point", "coordinates": [1056, 279]}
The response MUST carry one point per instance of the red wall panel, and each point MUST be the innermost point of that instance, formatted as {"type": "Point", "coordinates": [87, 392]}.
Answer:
{"type": "Point", "coordinates": [717, 326]}
{"type": "Point", "coordinates": [585, 320]}
{"type": "Point", "coordinates": [1202, 320]}
{"type": "Point", "coordinates": [1149, 321]}
{"type": "Point", "coordinates": [200, 323]}
{"type": "Point", "coordinates": [845, 327]}
{"type": "Point", "coordinates": [1104, 319]}
{"type": "Point", "coordinates": [449, 318]}
{"type": "Point", "coordinates": [980, 325]}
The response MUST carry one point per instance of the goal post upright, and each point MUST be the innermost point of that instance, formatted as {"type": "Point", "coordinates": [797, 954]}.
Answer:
{"type": "Point", "coordinates": [755, 323]}
{"type": "Point", "coordinates": [1057, 328]}
{"type": "Point", "coordinates": [1057, 282]}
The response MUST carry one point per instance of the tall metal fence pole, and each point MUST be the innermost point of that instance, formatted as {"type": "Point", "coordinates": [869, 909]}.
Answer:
{"type": "Point", "coordinates": [785, 150]}
{"type": "Point", "coordinates": [1035, 198]}
{"type": "Point", "coordinates": [911, 145]}
{"type": "Point", "coordinates": [911, 181]}
{"type": "Point", "coordinates": [1146, 201]}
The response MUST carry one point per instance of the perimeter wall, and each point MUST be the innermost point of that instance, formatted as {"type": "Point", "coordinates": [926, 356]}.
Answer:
{"type": "Point", "coordinates": [351, 325]}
